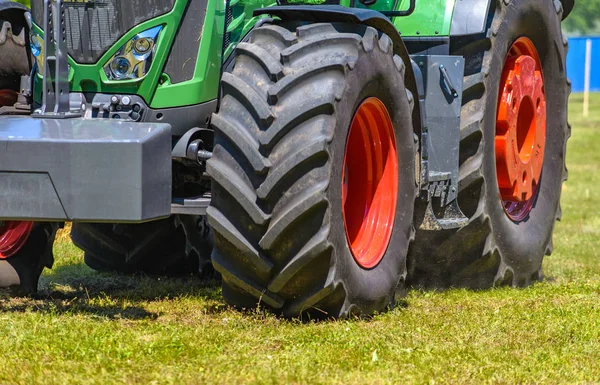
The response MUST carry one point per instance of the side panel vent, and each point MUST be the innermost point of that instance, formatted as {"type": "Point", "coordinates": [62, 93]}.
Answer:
{"type": "Point", "coordinates": [181, 62]}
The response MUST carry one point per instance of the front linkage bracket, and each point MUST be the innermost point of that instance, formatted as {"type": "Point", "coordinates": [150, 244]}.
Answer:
{"type": "Point", "coordinates": [55, 96]}
{"type": "Point", "coordinates": [440, 99]}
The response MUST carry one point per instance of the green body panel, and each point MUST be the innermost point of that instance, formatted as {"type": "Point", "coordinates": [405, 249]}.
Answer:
{"type": "Point", "coordinates": [91, 78]}
{"type": "Point", "coordinates": [204, 85]}
{"type": "Point", "coordinates": [155, 88]}
{"type": "Point", "coordinates": [431, 18]}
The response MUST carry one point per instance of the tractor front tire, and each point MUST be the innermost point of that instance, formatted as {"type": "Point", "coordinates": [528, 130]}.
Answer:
{"type": "Point", "coordinates": [505, 241]}
{"type": "Point", "coordinates": [300, 121]}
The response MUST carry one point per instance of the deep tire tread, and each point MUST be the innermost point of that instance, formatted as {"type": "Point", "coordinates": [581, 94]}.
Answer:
{"type": "Point", "coordinates": [263, 255]}
{"type": "Point", "coordinates": [470, 257]}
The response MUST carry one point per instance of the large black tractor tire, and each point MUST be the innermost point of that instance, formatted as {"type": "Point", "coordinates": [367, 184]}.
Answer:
{"type": "Point", "coordinates": [280, 140]}
{"type": "Point", "coordinates": [493, 249]}
{"type": "Point", "coordinates": [174, 246]}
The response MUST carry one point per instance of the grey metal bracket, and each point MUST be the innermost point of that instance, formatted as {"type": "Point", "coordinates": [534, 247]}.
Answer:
{"type": "Point", "coordinates": [55, 96]}
{"type": "Point", "coordinates": [190, 206]}
{"type": "Point", "coordinates": [440, 99]}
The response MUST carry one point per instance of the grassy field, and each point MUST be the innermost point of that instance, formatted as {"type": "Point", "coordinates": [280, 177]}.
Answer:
{"type": "Point", "coordinates": [101, 328]}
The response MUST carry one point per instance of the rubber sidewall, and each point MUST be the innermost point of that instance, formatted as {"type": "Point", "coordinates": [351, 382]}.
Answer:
{"type": "Point", "coordinates": [374, 76]}
{"type": "Point", "coordinates": [524, 244]}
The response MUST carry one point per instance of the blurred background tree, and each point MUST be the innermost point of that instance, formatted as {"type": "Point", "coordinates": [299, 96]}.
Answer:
{"type": "Point", "coordinates": [585, 18]}
{"type": "Point", "coordinates": [26, 2]}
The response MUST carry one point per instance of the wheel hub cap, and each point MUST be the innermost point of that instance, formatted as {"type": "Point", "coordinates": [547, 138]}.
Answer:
{"type": "Point", "coordinates": [370, 183]}
{"type": "Point", "coordinates": [520, 129]}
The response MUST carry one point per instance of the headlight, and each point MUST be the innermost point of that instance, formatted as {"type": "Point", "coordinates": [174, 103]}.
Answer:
{"type": "Point", "coordinates": [133, 60]}
{"type": "Point", "coordinates": [36, 42]}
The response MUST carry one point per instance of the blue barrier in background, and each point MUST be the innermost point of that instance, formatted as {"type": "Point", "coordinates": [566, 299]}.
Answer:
{"type": "Point", "coordinates": [576, 63]}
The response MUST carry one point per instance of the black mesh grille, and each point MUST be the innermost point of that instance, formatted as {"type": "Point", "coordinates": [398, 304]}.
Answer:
{"type": "Point", "coordinates": [95, 25]}
{"type": "Point", "coordinates": [228, 19]}
{"type": "Point", "coordinates": [184, 54]}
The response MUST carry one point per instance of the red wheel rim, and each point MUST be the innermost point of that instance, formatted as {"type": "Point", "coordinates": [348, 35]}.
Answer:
{"type": "Point", "coordinates": [13, 235]}
{"type": "Point", "coordinates": [8, 98]}
{"type": "Point", "coordinates": [370, 183]}
{"type": "Point", "coordinates": [520, 129]}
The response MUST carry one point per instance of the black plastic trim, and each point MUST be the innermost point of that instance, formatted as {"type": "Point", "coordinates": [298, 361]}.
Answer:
{"type": "Point", "coordinates": [567, 7]}
{"type": "Point", "coordinates": [7, 5]}
{"type": "Point", "coordinates": [427, 45]}
{"type": "Point", "coordinates": [411, 8]}
{"type": "Point", "coordinates": [184, 118]}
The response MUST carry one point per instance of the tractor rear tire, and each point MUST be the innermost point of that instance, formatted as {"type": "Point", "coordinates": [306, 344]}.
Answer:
{"type": "Point", "coordinates": [174, 246]}
{"type": "Point", "coordinates": [281, 137]}
{"type": "Point", "coordinates": [494, 248]}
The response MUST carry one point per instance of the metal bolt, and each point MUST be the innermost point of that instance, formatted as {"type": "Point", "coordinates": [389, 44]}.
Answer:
{"type": "Point", "coordinates": [204, 155]}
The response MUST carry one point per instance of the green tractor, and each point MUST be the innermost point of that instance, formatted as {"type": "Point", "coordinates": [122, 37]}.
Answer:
{"type": "Point", "coordinates": [321, 155]}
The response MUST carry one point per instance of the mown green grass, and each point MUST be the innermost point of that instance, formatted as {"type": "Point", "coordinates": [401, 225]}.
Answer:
{"type": "Point", "coordinates": [103, 329]}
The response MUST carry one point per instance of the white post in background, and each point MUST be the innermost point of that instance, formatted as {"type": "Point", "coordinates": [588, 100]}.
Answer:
{"type": "Point", "coordinates": [588, 69]}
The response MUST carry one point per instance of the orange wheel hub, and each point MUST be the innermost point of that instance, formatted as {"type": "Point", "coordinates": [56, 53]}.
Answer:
{"type": "Point", "coordinates": [520, 129]}
{"type": "Point", "coordinates": [13, 235]}
{"type": "Point", "coordinates": [370, 183]}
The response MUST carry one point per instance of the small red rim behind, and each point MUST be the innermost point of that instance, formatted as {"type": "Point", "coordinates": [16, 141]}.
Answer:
{"type": "Point", "coordinates": [13, 235]}
{"type": "Point", "coordinates": [520, 129]}
{"type": "Point", "coordinates": [7, 97]}
{"type": "Point", "coordinates": [370, 183]}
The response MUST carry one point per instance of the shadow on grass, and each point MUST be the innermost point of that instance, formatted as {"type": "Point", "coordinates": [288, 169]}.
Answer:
{"type": "Point", "coordinates": [76, 289]}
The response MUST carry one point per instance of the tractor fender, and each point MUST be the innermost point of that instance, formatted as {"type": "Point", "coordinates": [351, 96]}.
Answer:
{"type": "Point", "coordinates": [6, 5]}
{"type": "Point", "coordinates": [567, 7]}
{"type": "Point", "coordinates": [12, 7]}
{"type": "Point", "coordinates": [470, 16]}
{"type": "Point", "coordinates": [367, 17]}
